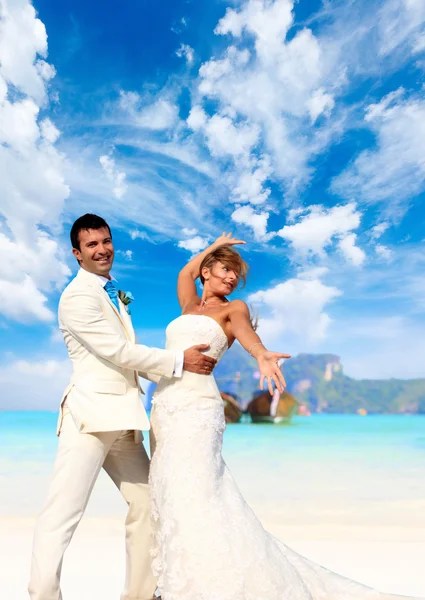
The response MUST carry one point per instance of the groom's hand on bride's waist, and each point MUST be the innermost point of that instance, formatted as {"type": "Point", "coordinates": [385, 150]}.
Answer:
{"type": "Point", "coordinates": [197, 362]}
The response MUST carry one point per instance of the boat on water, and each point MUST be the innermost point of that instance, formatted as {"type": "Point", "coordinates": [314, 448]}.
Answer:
{"type": "Point", "coordinates": [232, 410]}
{"type": "Point", "coordinates": [277, 408]}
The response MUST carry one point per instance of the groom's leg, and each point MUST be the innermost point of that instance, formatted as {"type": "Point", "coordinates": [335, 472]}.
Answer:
{"type": "Point", "coordinates": [128, 466]}
{"type": "Point", "coordinates": [78, 462]}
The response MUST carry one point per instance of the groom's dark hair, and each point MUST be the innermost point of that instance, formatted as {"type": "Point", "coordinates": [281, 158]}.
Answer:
{"type": "Point", "coordinates": [88, 221]}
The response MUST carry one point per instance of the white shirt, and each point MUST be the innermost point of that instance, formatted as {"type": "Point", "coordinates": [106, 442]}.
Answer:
{"type": "Point", "coordinates": [178, 364]}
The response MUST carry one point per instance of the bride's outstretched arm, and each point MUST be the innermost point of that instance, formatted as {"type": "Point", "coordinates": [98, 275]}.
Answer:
{"type": "Point", "coordinates": [267, 361]}
{"type": "Point", "coordinates": [186, 287]}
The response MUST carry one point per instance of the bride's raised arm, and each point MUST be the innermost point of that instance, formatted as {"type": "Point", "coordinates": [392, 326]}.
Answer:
{"type": "Point", "coordinates": [267, 361]}
{"type": "Point", "coordinates": [186, 287]}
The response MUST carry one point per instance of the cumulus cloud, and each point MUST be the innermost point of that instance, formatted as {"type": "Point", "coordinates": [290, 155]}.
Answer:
{"type": "Point", "coordinates": [250, 185]}
{"type": "Point", "coordinates": [352, 253]}
{"type": "Point", "coordinates": [256, 102]}
{"type": "Point", "coordinates": [32, 187]}
{"type": "Point", "coordinates": [318, 227]}
{"type": "Point", "coordinates": [295, 310]}
{"type": "Point", "coordinates": [23, 46]}
{"type": "Point", "coordinates": [187, 52]}
{"type": "Point", "coordinates": [264, 107]}
{"type": "Point", "coordinates": [24, 302]}
{"type": "Point", "coordinates": [194, 244]}
{"type": "Point", "coordinates": [320, 103]}
{"type": "Point", "coordinates": [257, 221]}
{"type": "Point", "coordinates": [224, 137]}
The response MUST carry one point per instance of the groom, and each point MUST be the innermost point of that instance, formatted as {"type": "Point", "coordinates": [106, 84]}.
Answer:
{"type": "Point", "coordinates": [101, 415]}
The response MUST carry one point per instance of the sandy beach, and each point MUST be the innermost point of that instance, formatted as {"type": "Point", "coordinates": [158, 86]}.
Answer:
{"type": "Point", "coordinates": [355, 508]}
{"type": "Point", "coordinates": [94, 565]}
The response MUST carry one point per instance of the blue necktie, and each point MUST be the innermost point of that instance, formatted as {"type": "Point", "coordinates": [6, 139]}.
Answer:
{"type": "Point", "coordinates": [112, 292]}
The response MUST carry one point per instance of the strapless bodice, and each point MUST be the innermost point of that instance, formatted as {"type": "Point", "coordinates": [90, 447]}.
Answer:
{"type": "Point", "coordinates": [182, 333]}
{"type": "Point", "coordinates": [190, 330]}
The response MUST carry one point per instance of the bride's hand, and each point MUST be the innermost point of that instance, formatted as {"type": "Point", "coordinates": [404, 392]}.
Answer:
{"type": "Point", "coordinates": [270, 371]}
{"type": "Point", "coordinates": [226, 239]}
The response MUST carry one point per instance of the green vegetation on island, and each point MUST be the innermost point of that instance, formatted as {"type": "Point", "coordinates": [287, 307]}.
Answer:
{"type": "Point", "coordinates": [319, 382]}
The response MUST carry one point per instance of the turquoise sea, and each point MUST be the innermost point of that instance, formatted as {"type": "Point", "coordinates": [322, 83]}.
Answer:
{"type": "Point", "coordinates": [346, 491]}
{"type": "Point", "coordinates": [340, 469]}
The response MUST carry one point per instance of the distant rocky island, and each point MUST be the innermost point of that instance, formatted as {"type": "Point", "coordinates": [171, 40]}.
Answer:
{"type": "Point", "coordinates": [319, 382]}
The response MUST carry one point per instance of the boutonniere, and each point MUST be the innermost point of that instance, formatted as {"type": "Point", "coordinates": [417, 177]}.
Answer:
{"type": "Point", "coordinates": [126, 298]}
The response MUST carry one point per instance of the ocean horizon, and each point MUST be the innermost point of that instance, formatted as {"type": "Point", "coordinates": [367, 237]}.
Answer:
{"type": "Point", "coordinates": [344, 490]}
{"type": "Point", "coordinates": [340, 470]}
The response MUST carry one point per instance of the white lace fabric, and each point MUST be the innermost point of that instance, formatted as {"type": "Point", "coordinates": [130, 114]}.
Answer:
{"type": "Point", "coordinates": [208, 543]}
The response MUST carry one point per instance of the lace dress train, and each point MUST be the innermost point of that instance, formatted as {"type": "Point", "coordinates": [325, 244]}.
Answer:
{"type": "Point", "coordinates": [208, 543]}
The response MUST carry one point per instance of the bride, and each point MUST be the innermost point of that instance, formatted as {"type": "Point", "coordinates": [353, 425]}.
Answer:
{"type": "Point", "coordinates": [208, 544]}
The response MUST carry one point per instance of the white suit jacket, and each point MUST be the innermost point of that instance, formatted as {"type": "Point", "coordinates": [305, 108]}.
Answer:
{"type": "Point", "coordinates": [104, 391]}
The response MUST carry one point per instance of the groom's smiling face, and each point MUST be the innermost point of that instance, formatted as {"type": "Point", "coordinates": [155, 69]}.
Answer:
{"type": "Point", "coordinates": [96, 251]}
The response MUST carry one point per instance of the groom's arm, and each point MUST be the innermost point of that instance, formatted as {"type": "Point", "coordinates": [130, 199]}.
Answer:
{"type": "Point", "coordinates": [82, 315]}
{"type": "Point", "coordinates": [178, 369]}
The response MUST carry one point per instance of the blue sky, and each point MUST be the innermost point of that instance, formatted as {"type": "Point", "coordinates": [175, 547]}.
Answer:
{"type": "Point", "coordinates": [298, 127]}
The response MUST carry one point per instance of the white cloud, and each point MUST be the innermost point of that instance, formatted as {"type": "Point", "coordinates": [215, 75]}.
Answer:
{"type": "Point", "coordinates": [246, 215]}
{"type": "Point", "coordinates": [320, 103]}
{"type": "Point", "coordinates": [264, 98]}
{"type": "Point", "coordinates": [33, 385]}
{"type": "Point", "coordinates": [42, 261]}
{"type": "Point", "coordinates": [32, 188]}
{"type": "Point", "coordinates": [264, 107]}
{"type": "Point", "coordinates": [318, 227]}
{"type": "Point", "coordinates": [164, 196]}
{"type": "Point", "coordinates": [23, 301]}
{"type": "Point", "coordinates": [30, 272]}
{"type": "Point", "coordinates": [224, 137]}
{"type": "Point", "coordinates": [180, 26]}
{"type": "Point", "coordinates": [250, 184]}
{"type": "Point", "coordinates": [49, 132]}
{"type": "Point", "coordinates": [114, 175]}
{"type": "Point", "coordinates": [136, 234]}
{"type": "Point", "coordinates": [23, 44]}
{"type": "Point", "coordinates": [187, 52]}
{"type": "Point", "coordinates": [352, 253]}
{"type": "Point", "coordinates": [312, 273]}
{"type": "Point", "coordinates": [383, 252]}
{"type": "Point", "coordinates": [379, 229]}
{"type": "Point", "coordinates": [395, 170]}
{"type": "Point", "coordinates": [401, 23]}
{"type": "Point", "coordinates": [194, 244]}
{"type": "Point", "coordinates": [189, 232]}
{"type": "Point", "coordinates": [127, 254]}
{"type": "Point", "coordinates": [18, 124]}
{"type": "Point", "coordinates": [294, 311]}
{"type": "Point", "coordinates": [268, 21]}
{"type": "Point", "coordinates": [160, 114]}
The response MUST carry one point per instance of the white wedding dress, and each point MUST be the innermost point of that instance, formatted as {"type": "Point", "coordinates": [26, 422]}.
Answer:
{"type": "Point", "coordinates": [208, 543]}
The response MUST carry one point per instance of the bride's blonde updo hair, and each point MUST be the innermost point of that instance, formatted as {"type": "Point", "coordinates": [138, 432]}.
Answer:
{"type": "Point", "coordinates": [229, 258]}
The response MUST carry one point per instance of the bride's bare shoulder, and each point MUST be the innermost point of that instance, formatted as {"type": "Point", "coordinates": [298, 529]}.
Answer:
{"type": "Point", "coordinates": [238, 306]}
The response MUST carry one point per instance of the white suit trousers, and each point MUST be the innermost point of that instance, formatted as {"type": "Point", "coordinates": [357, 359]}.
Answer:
{"type": "Point", "coordinates": [79, 460]}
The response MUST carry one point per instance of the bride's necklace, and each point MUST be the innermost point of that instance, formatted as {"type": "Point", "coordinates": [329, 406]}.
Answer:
{"type": "Point", "coordinates": [204, 303]}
